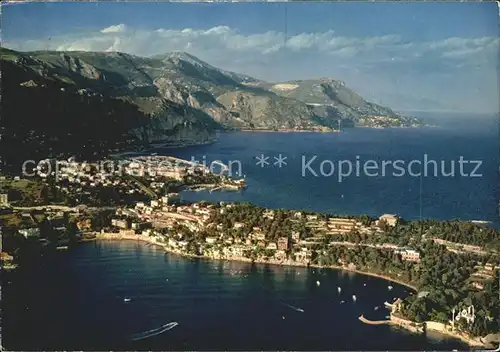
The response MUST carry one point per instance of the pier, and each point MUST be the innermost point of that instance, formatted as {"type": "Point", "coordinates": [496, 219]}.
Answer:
{"type": "Point", "coordinates": [374, 322]}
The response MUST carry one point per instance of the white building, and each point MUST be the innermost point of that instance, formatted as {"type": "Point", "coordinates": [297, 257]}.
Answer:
{"type": "Point", "coordinates": [4, 200]}
{"type": "Point", "coordinates": [31, 232]}
{"type": "Point", "coordinates": [210, 240]}
{"type": "Point", "coordinates": [390, 219]}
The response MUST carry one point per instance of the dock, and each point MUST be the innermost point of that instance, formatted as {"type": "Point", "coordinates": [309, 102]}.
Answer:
{"type": "Point", "coordinates": [374, 322]}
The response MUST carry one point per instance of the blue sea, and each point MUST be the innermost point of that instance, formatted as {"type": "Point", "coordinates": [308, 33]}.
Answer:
{"type": "Point", "coordinates": [466, 194]}
{"type": "Point", "coordinates": [75, 299]}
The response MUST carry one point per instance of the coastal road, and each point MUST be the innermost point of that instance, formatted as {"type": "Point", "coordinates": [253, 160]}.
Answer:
{"type": "Point", "coordinates": [63, 208]}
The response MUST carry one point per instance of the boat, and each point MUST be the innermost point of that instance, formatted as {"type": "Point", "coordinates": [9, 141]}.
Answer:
{"type": "Point", "coordinates": [341, 302]}
{"type": "Point", "coordinates": [339, 289]}
{"type": "Point", "coordinates": [293, 307]}
{"type": "Point", "coordinates": [390, 287]}
{"type": "Point", "coordinates": [376, 308]}
{"type": "Point", "coordinates": [154, 332]}
{"type": "Point", "coordinates": [318, 283]}
{"type": "Point", "coordinates": [283, 317]}
{"type": "Point", "coordinates": [354, 298]}
{"type": "Point", "coordinates": [126, 300]}
{"type": "Point", "coordinates": [364, 284]}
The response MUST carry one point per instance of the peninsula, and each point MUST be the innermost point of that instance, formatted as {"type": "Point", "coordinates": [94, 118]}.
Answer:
{"type": "Point", "coordinates": [451, 264]}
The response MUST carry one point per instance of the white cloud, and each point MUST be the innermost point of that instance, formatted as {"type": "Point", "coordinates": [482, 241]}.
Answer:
{"type": "Point", "coordinates": [226, 41]}
{"type": "Point", "coordinates": [119, 28]}
{"type": "Point", "coordinates": [266, 55]}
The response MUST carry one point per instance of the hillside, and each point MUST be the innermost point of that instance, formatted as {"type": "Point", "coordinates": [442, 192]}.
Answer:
{"type": "Point", "coordinates": [117, 100]}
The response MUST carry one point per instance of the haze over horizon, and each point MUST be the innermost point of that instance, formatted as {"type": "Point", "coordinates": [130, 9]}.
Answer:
{"type": "Point", "coordinates": [409, 56]}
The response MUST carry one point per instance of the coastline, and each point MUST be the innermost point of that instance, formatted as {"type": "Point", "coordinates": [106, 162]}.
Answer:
{"type": "Point", "coordinates": [285, 130]}
{"type": "Point", "coordinates": [140, 238]}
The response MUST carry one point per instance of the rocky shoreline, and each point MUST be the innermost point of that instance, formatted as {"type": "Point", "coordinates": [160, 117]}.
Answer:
{"type": "Point", "coordinates": [150, 240]}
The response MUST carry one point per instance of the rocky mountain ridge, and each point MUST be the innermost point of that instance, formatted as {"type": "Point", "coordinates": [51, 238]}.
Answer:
{"type": "Point", "coordinates": [175, 97]}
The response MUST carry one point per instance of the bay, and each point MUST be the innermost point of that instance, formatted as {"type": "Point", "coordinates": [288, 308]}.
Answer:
{"type": "Point", "coordinates": [75, 300]}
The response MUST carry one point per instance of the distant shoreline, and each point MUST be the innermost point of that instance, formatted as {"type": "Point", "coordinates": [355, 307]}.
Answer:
{"type": "Point", "coordinates": [283, 130]}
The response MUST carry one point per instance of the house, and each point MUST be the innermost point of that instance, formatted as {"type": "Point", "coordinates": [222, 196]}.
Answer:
{"type": "Point", "coordinates": [272, 246]}
{"type": "Point", "coordinates": [140, 225]}
{"type": "Point", "coordinates": [261, 244]}
{"type": "Point", "coordinates": [340, 225]}
{"type": "Point", "coordinates": [259, 236]}
{"type": "Point", "coordinates": [147, 232]}
{"type": "Point", "coordinates": [183, 244]}
{"type": "Point", "coordinates": [280, 255]}
{"type": "Point", "coordinates": [127, 232]}
{"type": "Point", "coordinates": [120, 223]}
{"type": "Point", "coordinates": [283, 243]}
{"type": "Point", "coordinates": [84, 225]}
{"type": "Point", "coordinates": [304, 255]}
{"type": "Point", "coordinates": [154, 204]}
{"type": "Point", "coordinates": [478, 285]}
{"type": "Point", "coordinates": [410, 255]}
{"type": "Point", "coordinates": [238, 250]}
{"type": "Point", "coordinates": [30, 232]}
{"type": "Point", "coordinates": [210, 240]}
{"type": "Point", "coordinates": [238, 225]}
{"type": "Point", "coordinates": [4, 200]}
{"type": "Point", "coordinates": [295, 237]}
{"type": "Point", "coordinates": [390, 219]}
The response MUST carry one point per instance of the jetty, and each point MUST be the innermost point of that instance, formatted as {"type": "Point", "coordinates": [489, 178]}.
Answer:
{"type": "Point", "coordinates": [374, 322]}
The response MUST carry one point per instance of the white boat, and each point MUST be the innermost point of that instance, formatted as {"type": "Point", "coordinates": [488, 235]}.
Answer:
{"type": "Point", "coordinates": [126, 300]}
{"type": "Point", "coordinates": [376, 308]}
{"type": "Point", "coordinates": [341, 302]}
{"type": "Point", "coordinates": [390, 287]}
{"type": "Point", "coordinates": [339, 289]}
{"type": "Point", "coordinates": [354, 298]}
{"type": "Point", "coordinates": [318, 283]}
{"type": "Point", "coordinates": [364, 284]}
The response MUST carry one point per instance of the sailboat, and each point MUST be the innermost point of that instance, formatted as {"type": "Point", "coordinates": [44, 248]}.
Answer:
{"type": "Point", "coordinates": [339, 289]}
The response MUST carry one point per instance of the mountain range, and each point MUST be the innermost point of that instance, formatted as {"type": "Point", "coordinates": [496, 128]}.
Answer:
{"type": "Point", "coordinates": [64, 102]}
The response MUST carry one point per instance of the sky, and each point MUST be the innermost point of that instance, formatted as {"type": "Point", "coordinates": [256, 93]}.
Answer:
{"type": "Point", "coordinates": [418, 56]}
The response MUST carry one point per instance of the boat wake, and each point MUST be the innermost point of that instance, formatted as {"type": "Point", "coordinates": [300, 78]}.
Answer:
{"type": "Point", "coordinates": [294, 308]}
{"type": "Point", "coordinates": [154, 332]}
